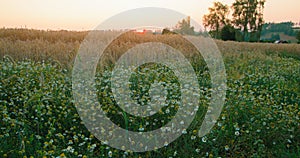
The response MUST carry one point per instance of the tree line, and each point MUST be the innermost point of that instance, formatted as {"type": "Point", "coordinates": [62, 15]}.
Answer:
{"type": "Point", "coordinates": [298, 37]}
{"type": "Point", "coordinates": [245, 23]}
{"type": "Point", "coordinates": [284, 27]}
{"type": "Point", "coordinates": [271, 31]}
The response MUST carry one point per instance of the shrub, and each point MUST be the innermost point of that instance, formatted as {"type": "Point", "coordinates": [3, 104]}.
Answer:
{"type": "Point", "coordinates": [228, 33]}
{"type": "Point", "coordinates": [298, 37]}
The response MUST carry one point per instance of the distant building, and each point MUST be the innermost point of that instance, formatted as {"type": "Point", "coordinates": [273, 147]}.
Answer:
{"type": "Point", "coordinates": [148, 31]}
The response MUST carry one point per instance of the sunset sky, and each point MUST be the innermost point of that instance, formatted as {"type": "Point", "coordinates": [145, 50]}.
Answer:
{"type": "Point", "coordinates": [87, 14]}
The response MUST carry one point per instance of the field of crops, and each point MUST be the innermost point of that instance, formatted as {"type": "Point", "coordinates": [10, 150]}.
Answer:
{"type": "Point", "coordinates": [260, 118]}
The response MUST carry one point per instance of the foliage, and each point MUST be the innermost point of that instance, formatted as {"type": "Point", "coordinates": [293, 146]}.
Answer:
{"type": "Point", "coordinates": [298, 36]}
{"type": "Point", "coordinates": [258, 118]}
{"type": "Point", "coordinates": [285, 27]}
{"type": "Point", "coordinates": [184, 27]}
{"type": "Point", "coordinates": [248, 16]}
{"type": "Point", "coordinates": [167, 32]}
{"type": "Point", "coordinates": [216, 19]}
{"type": "Point", "coordinates": [228, 33]}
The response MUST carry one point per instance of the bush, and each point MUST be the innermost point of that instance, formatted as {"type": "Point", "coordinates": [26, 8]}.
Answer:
{"type": "Point", "coordinates": [168, 32]}
{"type": "Point", "coordinates": [228, 33]}
{"type": "Point", "coordinates": [298, 37]}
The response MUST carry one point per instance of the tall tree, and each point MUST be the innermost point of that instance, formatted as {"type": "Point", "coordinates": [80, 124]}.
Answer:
{"type": "Point", "coordinates": [216, 19]}
{"type": "Point", "coordinates": [184, 27]}
{"type": "Point", "coordinates": [248, 16]}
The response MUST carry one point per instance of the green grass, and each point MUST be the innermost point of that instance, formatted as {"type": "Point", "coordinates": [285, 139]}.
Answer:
{"type": "Point", "coordinates": [260, 117]}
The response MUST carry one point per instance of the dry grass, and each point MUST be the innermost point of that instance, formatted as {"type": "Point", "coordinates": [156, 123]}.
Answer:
{"type": "Point", "coordinates": [39, 50]}
{"type": "Point", "coordinates": [62, 46]}
{"type": "Point", "coordinates": [230, 48]}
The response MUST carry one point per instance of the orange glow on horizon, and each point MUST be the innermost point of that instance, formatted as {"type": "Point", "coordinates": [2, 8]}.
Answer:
{"type": "Point", "coordinates": [86, 15]}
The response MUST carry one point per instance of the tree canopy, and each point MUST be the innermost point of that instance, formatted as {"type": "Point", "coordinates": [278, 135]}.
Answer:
{"type": "Point", "coordinates": [246, 22]}
{"type": "Point", "coordinates": [216, 19]}
{"type": "Point", "coordinates": [184, 27]}
{"type": "Point", "coordinates": [248, 17]}
{"type": "Point", "coordinates": [284, 27]}
{"type": "Point", "coordinates": [228, 33]}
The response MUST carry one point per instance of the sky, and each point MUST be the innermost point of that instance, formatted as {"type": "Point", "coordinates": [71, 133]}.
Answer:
{"type": "Point", "coordinates": [87, 14]}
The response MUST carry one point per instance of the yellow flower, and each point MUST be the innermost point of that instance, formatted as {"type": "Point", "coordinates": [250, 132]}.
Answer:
{"type": "Point", "coordinates": [226, 147]}
{"type": "Point", "coordinates": [195, 131]}
{"type": "Point", "coordinates": [62, 155]}
{"type": "Point", "coordinates": [272, 125]}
